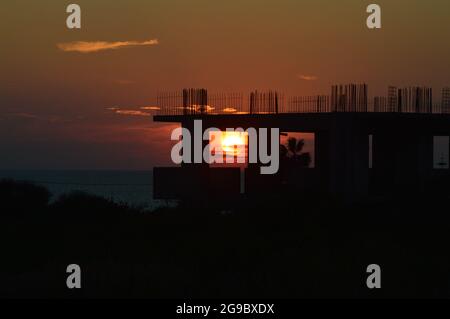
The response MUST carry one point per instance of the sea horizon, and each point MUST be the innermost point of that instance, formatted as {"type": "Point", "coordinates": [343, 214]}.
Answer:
{"type": "Point", "coordinates": [132, 187]}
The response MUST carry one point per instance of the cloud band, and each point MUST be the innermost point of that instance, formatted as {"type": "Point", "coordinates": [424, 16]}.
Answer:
{"type": "Point", "coordinates": [95, 46]}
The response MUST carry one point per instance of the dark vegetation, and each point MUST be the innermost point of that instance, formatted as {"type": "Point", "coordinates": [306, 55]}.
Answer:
{"type": "Point", "coordinates": [293, 152]}
{"type": "Point", "coordinates": [295, 246]}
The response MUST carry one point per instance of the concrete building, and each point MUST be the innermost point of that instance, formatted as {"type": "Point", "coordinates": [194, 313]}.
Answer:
{"type": "Point", "coordinates": [402, 147]}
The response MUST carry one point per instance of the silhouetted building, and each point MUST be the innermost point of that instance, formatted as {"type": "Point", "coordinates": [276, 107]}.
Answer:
{"type": "Point", "coordinates": [446, 100]}
{"type": "Point", "coordinates": [402, 127]}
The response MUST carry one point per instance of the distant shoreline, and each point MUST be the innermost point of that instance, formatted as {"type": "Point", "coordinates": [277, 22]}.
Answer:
{"type": "Point", "coordinates": [122, 186]}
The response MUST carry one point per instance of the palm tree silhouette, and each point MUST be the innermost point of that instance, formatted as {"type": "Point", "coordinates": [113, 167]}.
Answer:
{"type": "Point", "coordinates": [293, 151]}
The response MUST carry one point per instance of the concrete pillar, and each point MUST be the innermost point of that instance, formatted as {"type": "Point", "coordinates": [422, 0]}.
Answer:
{"type": "Point", "coordinates": [322, 159]}
{"type": "Point", "coordinates": [383, 162]}
{"type": "Point", "coordinates": [403, 161]}
{"type": "Point", "coordinates": [349, 159]}
{"type": "Point", "coordinates": [425, 162]}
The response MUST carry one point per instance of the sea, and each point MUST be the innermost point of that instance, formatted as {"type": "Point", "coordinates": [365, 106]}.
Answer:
{"type": "Point", "coordinates": [134, 188]}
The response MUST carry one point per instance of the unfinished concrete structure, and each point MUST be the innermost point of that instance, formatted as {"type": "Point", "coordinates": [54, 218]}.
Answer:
{"type": "Point", "coordinates": [343, 124]}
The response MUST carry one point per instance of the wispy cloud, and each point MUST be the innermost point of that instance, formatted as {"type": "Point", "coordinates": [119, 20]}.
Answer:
{"type": "Point", "coordinates": [150, 108]}
{"type": "Point", "coordinates": [132, 112]}
{"type": "Point", "coordinates": [142, 111]}
{"type": "Point", "coordinates": [95, 46]}
{"type": "Point", "coordinates": [307, 77]}
{"type": "Point", "coordinates": [229, 110]}
{"type": "Point", "coordinates": [198, 108]}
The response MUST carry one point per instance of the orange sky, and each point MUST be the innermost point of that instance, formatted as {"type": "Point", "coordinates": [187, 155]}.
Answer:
{"type": "Point", "coordinates": [58, 104]}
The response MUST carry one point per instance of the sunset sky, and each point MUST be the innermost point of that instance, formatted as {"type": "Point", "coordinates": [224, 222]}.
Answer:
{"type": "Point", "coordinates": [59, 99]}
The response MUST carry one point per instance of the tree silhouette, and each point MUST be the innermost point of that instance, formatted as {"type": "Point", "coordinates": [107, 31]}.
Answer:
{"type": "Point", "coordinates": [293, 151]}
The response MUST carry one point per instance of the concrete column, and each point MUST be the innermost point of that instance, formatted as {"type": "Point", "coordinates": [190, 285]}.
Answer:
{"type": "Point", "coordinates": [349, 160]}
{"type": "Point", "coordinates": [425, 162]}
{"type": "Point", "coordinates": [383, 162]}
{"type": "Point", "coordinates": [403, 161]}
{"type": "Point", "coordinates": [322, 158]}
